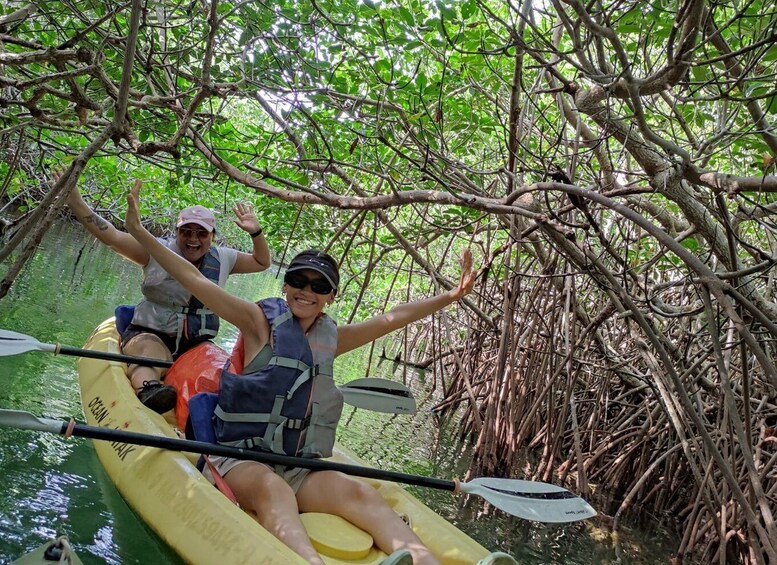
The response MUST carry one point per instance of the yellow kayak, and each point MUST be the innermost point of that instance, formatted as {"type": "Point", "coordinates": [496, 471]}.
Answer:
{"type": "Point", "coordinates": [168, 492]}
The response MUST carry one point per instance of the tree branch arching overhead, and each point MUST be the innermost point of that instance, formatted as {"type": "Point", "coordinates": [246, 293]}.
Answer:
{"type": "Point", "coordinates": [612, 164]}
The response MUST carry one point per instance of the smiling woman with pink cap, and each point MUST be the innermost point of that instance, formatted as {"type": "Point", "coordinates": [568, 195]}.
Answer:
{"type": "Point", "coordinates": [169, 320]}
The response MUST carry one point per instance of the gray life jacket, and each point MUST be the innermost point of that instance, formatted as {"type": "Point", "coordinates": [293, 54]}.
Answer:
{"type": "Point", "coordinates": [292, 405]}
{"type": "Point", "coordinates": [171, 309]}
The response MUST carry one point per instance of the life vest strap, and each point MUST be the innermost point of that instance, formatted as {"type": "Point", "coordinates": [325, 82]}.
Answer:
{"type": "Point", "coordinates": [294, 424]}
{"type": "Point", "coordinates": [282, 318]}
{"type": "Point", "coordinates": [275, 440]}
{"type": "Point", "coordinates": [289, 363]}
{"type": "Point", "coordinates": [242, 416]}
{"type": "Point", "coordinates": [189, 311]}
{"type": "Point", "coordinates": [303, 377]}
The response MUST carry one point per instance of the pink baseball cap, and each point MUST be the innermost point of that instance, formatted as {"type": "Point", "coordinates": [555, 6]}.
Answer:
{"type": "Point", "coordinates": [199, 215]}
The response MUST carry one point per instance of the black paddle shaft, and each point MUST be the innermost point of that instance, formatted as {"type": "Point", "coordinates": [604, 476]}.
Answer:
{"type": "Point", "coordinates": [67, 350]}
{"type": "Point", "coordinates": [174, 444]}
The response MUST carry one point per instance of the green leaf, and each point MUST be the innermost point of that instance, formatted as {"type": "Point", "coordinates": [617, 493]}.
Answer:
{"type": "Point", "coordinates": [407, 16]}
{"type": "Point", "coordinates": [629, 24]}
{"type": "Point", "coordinates": [690, 243]}
{"type": "Point", "coordinates": [447, 12]}
{"type": "Point", "coordinates": [420, 82]}
{"type": "Point", "coordinates": [246, 36]}
{"type": "Point", "coordinates": [382, 66]}
{"type": "Point", "coordinates": [468, 9]}
{"type": "Point", "coordinates": [772, 108]}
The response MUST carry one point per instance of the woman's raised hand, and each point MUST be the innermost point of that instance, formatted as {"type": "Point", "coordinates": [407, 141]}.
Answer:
{"type": "Point", "coordinates": [56, 174]}
{"type": "Point", "coordinates": [132, 219]}
{"type": "Point", "coordinates": [245, 218]}
{"type": "Point", "coordinates": [467, 278]}
{"type": "Point", "coordinates": [74, 196]}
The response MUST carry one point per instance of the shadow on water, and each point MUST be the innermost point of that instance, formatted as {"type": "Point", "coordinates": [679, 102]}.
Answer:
{"type": "Point", "coordinates": [54, 486]}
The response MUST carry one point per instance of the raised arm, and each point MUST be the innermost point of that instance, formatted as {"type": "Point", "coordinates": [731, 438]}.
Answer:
{"type": "Point", "coordinates": [121, 242]}
{"type": "Point", "coordinates": [355, 335]}
{"type": "Point", "coordinates": [237, 311]}
{"type": "Point", "coordinates": [259, 259]}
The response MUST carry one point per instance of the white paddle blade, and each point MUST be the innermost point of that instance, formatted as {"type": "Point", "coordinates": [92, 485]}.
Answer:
{"type": "Point", "coordinates": [12, 343]}
{"type": "Point", "coordinates": [539, 502]}
{"type": "Point", "coordinates": [379, 395]}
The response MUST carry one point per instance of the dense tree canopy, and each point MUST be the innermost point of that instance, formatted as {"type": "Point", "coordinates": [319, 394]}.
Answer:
{"type": "Point", "coordinates": [611, 163]}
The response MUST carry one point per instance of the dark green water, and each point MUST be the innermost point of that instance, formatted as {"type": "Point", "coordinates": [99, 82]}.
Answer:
{"type": "Point", "coordinates": [52, 486]}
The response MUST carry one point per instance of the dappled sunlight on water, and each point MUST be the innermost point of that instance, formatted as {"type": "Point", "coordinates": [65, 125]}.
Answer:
{"type": "Point", "coordinates": [104, 545]}
{"type": "Point", "coordinates": [36, 500]}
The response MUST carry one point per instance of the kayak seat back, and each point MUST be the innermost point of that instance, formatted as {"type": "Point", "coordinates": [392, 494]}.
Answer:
{"type": "Point", "coordinates": [123, 313]}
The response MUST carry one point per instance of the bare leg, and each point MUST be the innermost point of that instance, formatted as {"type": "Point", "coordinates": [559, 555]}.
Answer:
{"type": "Point", "coordinates": [145, 345]}
{"type": "Point", "coordinates": [259, 489]}
{"type": "Point", "coordinates": [362, 505]}
{"type": "Point", "coordinates": [147, 381]}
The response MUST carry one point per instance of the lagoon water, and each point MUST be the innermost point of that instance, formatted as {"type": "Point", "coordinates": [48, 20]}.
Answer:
{"type": "Point", "coordinates": [51, 485]}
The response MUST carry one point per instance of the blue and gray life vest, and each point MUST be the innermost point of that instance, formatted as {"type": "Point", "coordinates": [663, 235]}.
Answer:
{"type": "Point", "coordinates": [169, 308]}
{"type": "Point", "coordinates": [292, 405]}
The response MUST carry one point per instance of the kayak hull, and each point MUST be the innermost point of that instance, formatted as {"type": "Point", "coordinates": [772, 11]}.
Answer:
{"type": "Point", "coordinates": [168, 492]}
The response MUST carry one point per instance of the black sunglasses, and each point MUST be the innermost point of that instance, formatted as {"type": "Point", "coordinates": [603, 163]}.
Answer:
{"type": "Point", "coordinates": [319, 286]}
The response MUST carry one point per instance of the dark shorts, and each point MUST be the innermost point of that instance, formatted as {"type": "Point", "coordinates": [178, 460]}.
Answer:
{"type": "Point", "coordinates": [169, 341]}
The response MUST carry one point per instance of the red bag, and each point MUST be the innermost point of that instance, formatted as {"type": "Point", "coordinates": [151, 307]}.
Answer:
{"type": "Point", "coordinates": [197, 370]}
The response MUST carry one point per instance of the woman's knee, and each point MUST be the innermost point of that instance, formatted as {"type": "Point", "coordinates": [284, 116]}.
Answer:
{"type": "Point", "coordinates": [365, 495]}
{"type": "Point", "coordinates": [147, 345]}
{"type": "Point", "coordinates": [262, 488]}
{"type": "Point", "coordinates": [341, 490]}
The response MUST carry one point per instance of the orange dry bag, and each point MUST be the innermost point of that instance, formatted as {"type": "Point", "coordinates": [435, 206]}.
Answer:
{"type": "Point", "coordinates": [197, 370]}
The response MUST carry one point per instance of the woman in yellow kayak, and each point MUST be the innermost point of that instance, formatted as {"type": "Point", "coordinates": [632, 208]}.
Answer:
{"type": "Point", "coordinates": [276, 499]}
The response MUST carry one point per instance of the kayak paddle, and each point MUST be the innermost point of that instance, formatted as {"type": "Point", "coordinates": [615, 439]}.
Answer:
{"type": "Point", "coordinates": [530, 500]}
{"type": "Point", "coordinates": [13, 343]}
{"type": "Point", "coordinates": [371, 393]}
{"type": "Point", "coordinates": [379, 395]}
